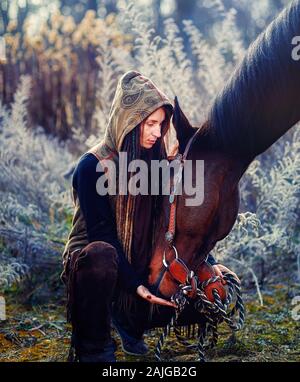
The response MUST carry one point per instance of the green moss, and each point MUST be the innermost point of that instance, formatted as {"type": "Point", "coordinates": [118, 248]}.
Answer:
{"type": "Point", "coordinates": [269, 334]}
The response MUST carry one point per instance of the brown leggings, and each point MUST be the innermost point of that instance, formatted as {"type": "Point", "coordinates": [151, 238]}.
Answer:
{"type": "Point", "coordinates": [91, 276]}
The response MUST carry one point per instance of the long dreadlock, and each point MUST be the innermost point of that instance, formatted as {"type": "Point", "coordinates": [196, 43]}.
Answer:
{"type": "Point", "coordinates": [125, 204]}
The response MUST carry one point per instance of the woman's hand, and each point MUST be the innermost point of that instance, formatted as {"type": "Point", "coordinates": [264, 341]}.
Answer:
{"type": "Point", "coordinates": [143, 292]}
{"type": "Point", "coordinates": [219, 268]}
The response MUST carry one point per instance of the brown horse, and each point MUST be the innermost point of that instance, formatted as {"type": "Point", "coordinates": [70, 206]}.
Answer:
{"type": "Point", "coordinates": [258, 105]}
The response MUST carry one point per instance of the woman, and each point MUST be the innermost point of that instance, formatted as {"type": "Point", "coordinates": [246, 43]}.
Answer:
{"type": "Point", "coordinates": [107, 253]}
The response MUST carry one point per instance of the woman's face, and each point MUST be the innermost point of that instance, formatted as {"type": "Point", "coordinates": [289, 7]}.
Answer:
{"type": "Point", "coordinates": [151, 128]}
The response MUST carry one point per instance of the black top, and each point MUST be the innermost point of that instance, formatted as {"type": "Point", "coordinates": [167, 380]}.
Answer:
{"type": "Point", "coordinates": [100, 222]}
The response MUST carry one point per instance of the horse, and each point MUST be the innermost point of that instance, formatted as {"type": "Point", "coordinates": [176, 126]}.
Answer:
{"type": "Point", "coordinates": [258, 105]}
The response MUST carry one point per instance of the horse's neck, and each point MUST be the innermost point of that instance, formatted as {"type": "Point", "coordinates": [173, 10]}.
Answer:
{"type": "Point", "coordinates": [260, 102]}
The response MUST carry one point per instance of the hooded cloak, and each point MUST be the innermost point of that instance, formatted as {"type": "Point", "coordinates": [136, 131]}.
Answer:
{"type": "Point", "coordinates": [136, 97]}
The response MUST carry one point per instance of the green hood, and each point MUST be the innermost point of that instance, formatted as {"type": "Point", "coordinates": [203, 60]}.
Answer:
{"type": "Point", "coordinates": [135, 99]}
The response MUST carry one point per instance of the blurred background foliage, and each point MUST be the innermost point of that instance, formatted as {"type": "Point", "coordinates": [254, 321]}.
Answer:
{"type": "Point", "coordinates": [61, 58]}
{"type": "Point", "coordinates": [57, 44]}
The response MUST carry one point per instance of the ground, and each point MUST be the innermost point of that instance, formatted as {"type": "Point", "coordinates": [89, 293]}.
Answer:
{"type": "Point", "coordinates": [40, 333]}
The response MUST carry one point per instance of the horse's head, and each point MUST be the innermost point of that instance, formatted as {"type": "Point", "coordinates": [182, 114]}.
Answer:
{"type": "Point", "coordinates": [192, 221]}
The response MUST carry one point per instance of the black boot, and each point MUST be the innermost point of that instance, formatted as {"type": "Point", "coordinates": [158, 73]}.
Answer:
{"type": "Point", "coordinates": [130, 344]}
{"type": "Point", "coordinates": [83, 351]}
{"type": "Point", "coordinates": [107, 354]}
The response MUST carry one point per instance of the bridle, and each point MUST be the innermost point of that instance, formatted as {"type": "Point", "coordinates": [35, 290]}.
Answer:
{"type": "Point", "coordinates": [178, 270]}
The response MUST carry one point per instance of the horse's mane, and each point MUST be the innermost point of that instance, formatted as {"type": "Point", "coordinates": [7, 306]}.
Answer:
{"type": "Point", "coordinates": [261, 100]}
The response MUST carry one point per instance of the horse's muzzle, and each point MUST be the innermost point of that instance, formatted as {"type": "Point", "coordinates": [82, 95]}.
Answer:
{"type": "Point", "coordinates": [177, 273]}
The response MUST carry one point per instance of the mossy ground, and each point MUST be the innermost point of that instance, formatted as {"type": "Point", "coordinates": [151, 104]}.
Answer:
{"type": "Point", "coordinates": [40, 333]}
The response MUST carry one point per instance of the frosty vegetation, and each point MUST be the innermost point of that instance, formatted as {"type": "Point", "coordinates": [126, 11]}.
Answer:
{"type": "Point", "coordinates": [35, 168]}
{"type": "Point", "coordinates": [34, 196]}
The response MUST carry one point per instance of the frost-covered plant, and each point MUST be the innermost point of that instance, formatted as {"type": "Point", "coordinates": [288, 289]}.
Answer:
{"type": "Point", "coordinates": [32, 187]}
{"type": "Point", "coordinates": [112, 63]}
{"type": "Point", "coordinates": [11, 273]}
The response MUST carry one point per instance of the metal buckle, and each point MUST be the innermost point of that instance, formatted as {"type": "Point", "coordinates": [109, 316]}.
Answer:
{"type": "Point", "coordinates": [164, 256]}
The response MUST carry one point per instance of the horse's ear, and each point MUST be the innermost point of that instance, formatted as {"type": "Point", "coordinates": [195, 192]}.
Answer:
{"type": "Point", "coordinates": [183, 128]}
